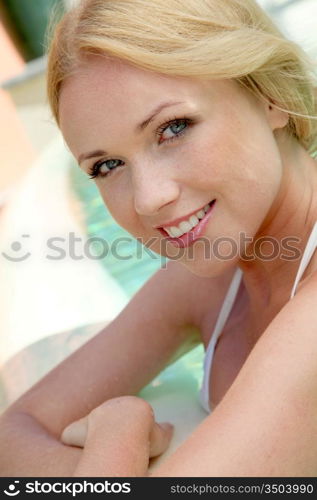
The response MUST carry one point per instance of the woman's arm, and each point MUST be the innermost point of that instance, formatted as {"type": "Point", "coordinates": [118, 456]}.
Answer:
{"type": "Point", "coordinates": [266, 424]}
{"type": "Point", "coordinates": [119, 438]}
{"type": "Point", "coordinates": [28, 449]}
{"type": "Point", "coordinates": [120, 360]}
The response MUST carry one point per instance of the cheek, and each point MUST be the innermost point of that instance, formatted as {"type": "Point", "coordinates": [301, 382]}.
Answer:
{"type": "Point", "coordinates": [113, 200]}
{"type": "Point", "coordinates": [119, 202]}
{"type": "Point", "coordinates": [243, 169]}
{"type": "Point", "coordinates": [248, 158]}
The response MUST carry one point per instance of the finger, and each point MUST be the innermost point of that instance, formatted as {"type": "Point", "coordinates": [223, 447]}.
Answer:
{"type": "Point", "coordinates": [75, 434]}
{"type": "Point", "coordinates": [117, 443]}
{"type": "Point", "coordinates": [119, 439]}
{"type": "Point", "coordinates": [136, 416]}
{"type": "Point", "coordinates": [160, 437]}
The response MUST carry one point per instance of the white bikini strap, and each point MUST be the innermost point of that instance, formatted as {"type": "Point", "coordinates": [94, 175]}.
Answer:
{"type": "Point", "coordinates": [227, 304]}
{"type": "Point", "coordinates": [308, 253]}
{"type": "Point", "coordinates": [222, 318]}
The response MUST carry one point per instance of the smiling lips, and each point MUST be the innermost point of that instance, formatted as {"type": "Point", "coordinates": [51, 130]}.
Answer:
{"type": "Point", "coordinates": [188, 230]}
{"type": "Point", "coordinates": [186, 225]}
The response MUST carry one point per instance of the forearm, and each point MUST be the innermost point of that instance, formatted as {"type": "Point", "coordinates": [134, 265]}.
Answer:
{"type": "Point", "coordinates": [27, 449]}
{"type": "Point", "coordinates": [119, 437]}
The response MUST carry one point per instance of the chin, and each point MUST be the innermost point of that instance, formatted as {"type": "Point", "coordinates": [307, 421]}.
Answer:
{"type": "Point", "coordinates": [208, 268]}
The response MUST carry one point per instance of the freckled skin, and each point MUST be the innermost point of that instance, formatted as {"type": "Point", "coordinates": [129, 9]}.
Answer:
{"type": "Point", "coordinates": [236, 151]}
{"type": "Point", "coordinates": [231, 153]}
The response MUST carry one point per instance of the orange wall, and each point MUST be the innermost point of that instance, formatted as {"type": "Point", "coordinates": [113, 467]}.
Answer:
{"type": "Point", "coordinates": [16, 151]}
{"type": "Point", "coordinates": [11, 62]}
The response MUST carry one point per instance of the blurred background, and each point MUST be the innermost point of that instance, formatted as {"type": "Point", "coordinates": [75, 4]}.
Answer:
{"type": "Point", "coordinates": [44, 195]}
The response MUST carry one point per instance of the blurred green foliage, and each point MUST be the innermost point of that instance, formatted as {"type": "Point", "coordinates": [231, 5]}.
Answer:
{"type": "Point", "coordinates": [30, 19]}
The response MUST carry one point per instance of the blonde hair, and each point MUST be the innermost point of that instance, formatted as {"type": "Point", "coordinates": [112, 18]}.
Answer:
{"type": "Point", "coordinates": [232, 39]}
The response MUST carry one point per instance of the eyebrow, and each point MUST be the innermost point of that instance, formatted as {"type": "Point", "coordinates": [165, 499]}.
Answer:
{"type": "Point", "coordinates": [140, 127]}
{"type": "Point", "coordinates": [156, 111]}
{"type": "Point", "coordinates": [92, 154]}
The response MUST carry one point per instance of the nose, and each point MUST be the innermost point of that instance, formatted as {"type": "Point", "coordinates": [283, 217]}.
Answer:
{"type": "Point", "coordinates": [153, 190]}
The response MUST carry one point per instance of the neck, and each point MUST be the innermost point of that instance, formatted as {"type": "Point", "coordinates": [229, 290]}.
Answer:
{"type": "Point", "coordinates": [285, 231]}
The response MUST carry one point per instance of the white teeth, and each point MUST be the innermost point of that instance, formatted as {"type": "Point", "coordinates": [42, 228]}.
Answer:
{"type": "Point", "coordinates": [200, 214]}
{"type": "Point", "coordinates": [174, 232]}
{"type": "Point", "coordinates": [185, 226]}
{"type": "Point", "coordinates": [193, 220]}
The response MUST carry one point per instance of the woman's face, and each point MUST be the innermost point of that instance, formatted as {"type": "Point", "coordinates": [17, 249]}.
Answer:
{"type": "Point", "coordinates": [162, 148]}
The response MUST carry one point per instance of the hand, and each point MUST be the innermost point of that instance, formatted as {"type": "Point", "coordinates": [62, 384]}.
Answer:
{"type": "Point", "coordinates": [118, 438]}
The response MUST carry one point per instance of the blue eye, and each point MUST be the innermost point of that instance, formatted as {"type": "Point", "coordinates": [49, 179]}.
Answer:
{"type": "Point", "coordinates": [173, 129]}
{"type": "Point", "coordinates": [177, 127]}
{"type": "Point", "coordinates": [104, 167]}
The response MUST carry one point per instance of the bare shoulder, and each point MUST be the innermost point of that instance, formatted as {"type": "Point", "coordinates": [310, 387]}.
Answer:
{"type": "Point", "coordinates": [295, 325]}
{"type": "Point", "coordinates": [265, 425]}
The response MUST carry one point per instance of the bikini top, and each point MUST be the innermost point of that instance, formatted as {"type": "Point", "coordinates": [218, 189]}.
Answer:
{"type": "Point", "coordinates": [227, 307]}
